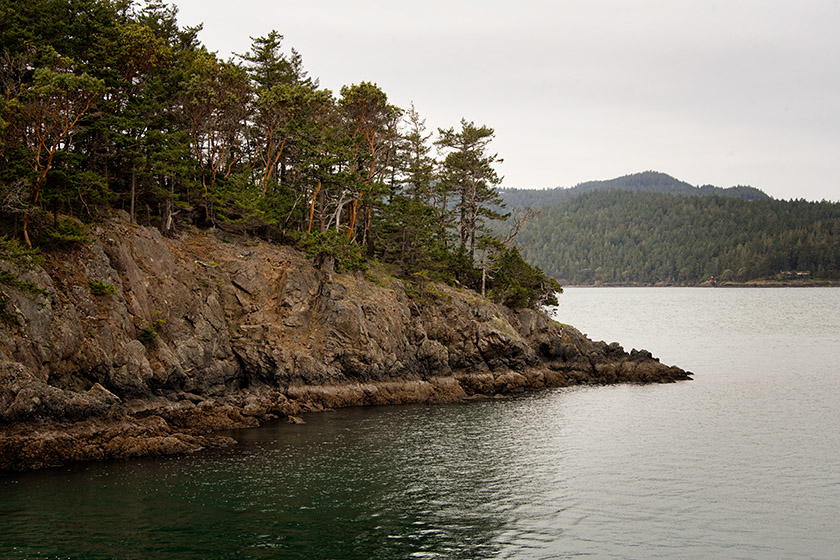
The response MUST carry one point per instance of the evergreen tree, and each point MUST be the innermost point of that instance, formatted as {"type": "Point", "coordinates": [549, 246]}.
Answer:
{"type": "Point", "coordinates": [467, 172]}
{"type": "Point", "coordinates": [410, 236]}
{"type": "Point", "coordinates": [371, 123]}
{"type": "Point", "coordinates": [110, 104]}
{"type": "Point", "coordinates": [215, 99]}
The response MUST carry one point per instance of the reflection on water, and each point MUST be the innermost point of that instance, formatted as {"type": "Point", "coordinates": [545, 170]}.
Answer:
{"type": "Point", "coordinates": [740, 462]}
{"type": "Point", "coordinates": [408, 481]}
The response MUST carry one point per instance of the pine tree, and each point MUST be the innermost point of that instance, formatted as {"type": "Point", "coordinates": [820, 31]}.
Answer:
{"type": "Point", "coordinates": [468, 172]}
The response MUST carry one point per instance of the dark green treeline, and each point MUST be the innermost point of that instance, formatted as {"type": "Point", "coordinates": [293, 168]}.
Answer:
{"type": "Point", "coordinates": [632, 237]}
{"type": "Point", "coordinates": [646, 181]}
{"type": "Point", "coordinates": [111, 104]}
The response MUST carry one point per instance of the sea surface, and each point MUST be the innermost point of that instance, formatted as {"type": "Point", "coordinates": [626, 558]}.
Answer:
{"type": "Point", "coordinates": [742, 462]}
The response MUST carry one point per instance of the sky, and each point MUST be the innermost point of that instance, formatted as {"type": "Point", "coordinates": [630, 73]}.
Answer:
{"type": "Point", "coordinates": [721, 92]}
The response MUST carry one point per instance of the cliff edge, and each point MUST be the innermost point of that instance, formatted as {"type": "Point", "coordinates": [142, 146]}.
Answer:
{"type": "Point", "coordinates": [147, 345]}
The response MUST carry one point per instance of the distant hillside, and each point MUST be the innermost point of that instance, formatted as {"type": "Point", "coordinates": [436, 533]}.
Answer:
{"type": "Point", "coordinates": [648, 181]}
{"type": "Point", "coordinates": [636, 237]}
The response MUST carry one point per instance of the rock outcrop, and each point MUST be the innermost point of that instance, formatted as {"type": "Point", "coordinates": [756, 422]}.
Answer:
{"type": "Point", "coordinates": [206, 333]}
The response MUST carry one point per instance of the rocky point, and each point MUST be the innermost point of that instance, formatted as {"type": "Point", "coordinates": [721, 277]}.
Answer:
{"type": "Point", "coordinates": [201, 333]}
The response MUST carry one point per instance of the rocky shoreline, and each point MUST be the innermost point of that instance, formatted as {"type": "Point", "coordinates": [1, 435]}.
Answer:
{"type": "Point", "coordinates": [202, 333]}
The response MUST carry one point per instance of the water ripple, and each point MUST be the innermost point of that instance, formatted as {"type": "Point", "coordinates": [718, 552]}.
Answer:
{"type": "Point", "coordinates": [740, 463]}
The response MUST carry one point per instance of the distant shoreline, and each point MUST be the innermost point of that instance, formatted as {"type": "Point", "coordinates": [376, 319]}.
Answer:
{"type": "Point", "coordinates": [768, 284]}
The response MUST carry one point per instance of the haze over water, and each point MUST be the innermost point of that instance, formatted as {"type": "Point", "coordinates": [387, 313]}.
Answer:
{"type": "Point", "coordinates": [742, 462]}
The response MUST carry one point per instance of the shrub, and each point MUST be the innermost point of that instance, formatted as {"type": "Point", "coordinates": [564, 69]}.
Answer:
{"type": "Point", "coordinates": [101, 289]}
{"type": "Point", "coordinates": [18, 257]}
{"type": "Point", "coordinates": [348, 255]}
{"type": "Point", "coordinates": [65, 232]}
{"type": "Point", "coordinates": [149, 332]}
{"type": "Point", "coordinates": [517, 284]}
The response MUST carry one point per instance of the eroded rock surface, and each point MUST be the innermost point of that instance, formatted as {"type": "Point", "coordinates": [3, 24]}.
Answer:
{"type": "Point", "coordinates": [206, 334]}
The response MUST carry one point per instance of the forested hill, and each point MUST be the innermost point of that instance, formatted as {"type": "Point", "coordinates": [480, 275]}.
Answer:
{"type": "Point", "coordinates": [648, 181]}
{"type": "Point", "coordinates": [633, 237]}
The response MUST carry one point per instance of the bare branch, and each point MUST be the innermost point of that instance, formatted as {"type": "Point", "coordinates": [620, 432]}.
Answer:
{"type": "Point", "coordinates": [519, 217]}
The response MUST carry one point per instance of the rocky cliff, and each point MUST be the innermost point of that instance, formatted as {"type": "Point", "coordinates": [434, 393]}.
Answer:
{"type": "Point", "coordinates": [147, 345]}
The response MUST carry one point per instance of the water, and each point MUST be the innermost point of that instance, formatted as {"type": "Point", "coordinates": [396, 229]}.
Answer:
{"type": "Point", "coordinates": [743, 462]}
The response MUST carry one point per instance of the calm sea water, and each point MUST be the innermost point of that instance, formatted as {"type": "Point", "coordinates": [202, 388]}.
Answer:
{"type": "Point", "coordinates": [742, 462]}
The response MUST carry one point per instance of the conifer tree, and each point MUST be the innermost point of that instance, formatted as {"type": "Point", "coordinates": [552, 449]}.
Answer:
{"type": "Point", "coordinates": [468, 172]}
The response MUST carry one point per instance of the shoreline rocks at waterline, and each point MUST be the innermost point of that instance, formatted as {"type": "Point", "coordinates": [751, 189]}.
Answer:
{"type": "Point", "coordinates": [201, 334]}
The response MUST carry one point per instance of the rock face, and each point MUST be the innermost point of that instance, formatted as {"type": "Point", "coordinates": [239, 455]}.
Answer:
{"type": "Point", "coordinates": [205, 333]}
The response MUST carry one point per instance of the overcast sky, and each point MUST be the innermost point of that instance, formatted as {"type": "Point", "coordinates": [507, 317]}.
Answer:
{"type": "Point", "coordinates": [722, 92]}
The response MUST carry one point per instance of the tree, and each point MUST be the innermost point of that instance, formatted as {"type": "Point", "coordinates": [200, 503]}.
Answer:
{"type": "Point", "coordinates": [372, 124]}
{"type": "Point", "coordinates": [323, 150]}
{"type": "Point", "coordinates": [280, 86]}
{"type": "Point", "coordinates": [468, 173]}
{"type": "Point", "coordinates": [269, 66]}
{"type": "Point", "coordinates": [165, 165]}
{"type": "Point", "coordinates": [517, 284]}
{"type": "Point", "coordinates": [215, 100]}
{"type": "Point", "coordinates": [44, 113]}
{"type": "Point", "coordinates": [138, 52]}
{"type": "Point", "coordinates": [409, 232]}
{"type": "Point", "coordinates": [276, 110]}
{"type": "Point", "coordinates": [417, 167]}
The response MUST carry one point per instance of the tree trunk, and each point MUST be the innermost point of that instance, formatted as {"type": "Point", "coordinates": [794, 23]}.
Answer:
{"type": "Point", "coordinates": [133, 193]}
{"type": "Point", "coordinates": [353, 216]}
{"type": "Point", "coordinates": [322, 224]}
{"type": "Point", "coordinates": [312, 207]}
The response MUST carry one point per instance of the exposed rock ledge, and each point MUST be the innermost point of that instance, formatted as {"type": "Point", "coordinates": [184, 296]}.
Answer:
{"type": "Point", "coordinates": [238, 332]}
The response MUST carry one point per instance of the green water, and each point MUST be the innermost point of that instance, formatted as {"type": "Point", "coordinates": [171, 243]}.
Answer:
{"type": "Point", "coordinates": [742, 462]}
{"type": "Point", "coordinates": [411, 481]}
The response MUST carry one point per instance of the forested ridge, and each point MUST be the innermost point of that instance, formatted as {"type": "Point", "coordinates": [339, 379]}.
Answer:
{"type": "Point", "coordinates": [110, 104]}
{"type": "Point", "coordinates": [647, 181]}
{"type": "Point", "coordinates": [617, 237]}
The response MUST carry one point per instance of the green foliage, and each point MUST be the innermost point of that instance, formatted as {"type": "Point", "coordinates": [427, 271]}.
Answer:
{"type": "Point", "coordinates": [14, 252]}
{"type": "Point", "coordinates": [518, 285]}
{"type": "Point", "coordinates": [14, 257]}
{"type": "Point", "coordinates": [110, 104]}
{"type": "Point", "coordinates": [648, 181]}
{"type": "Point", "coordinates": [420, 286]}
{"type": "Point", "coordinates": [462, 270]}
{"type": "Point", "coordinates": [7, 316]}
{"type": "Point", "coordinates": [625, 237]}
{"type": "Point", "coordinates": [410, 237]}
{"type": "Point", "coordinates": [347, 255]}
{"type": "Point", "coordinates": [149, 332]}
{"type": "Point", "coordinates": [63, 233]}
{"type": "Point", "coordinates": [13, 280]}
{"type": "Point", "coordinates": [468, 176]}
{"type": "Point", "coordinates": [101, 289]}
